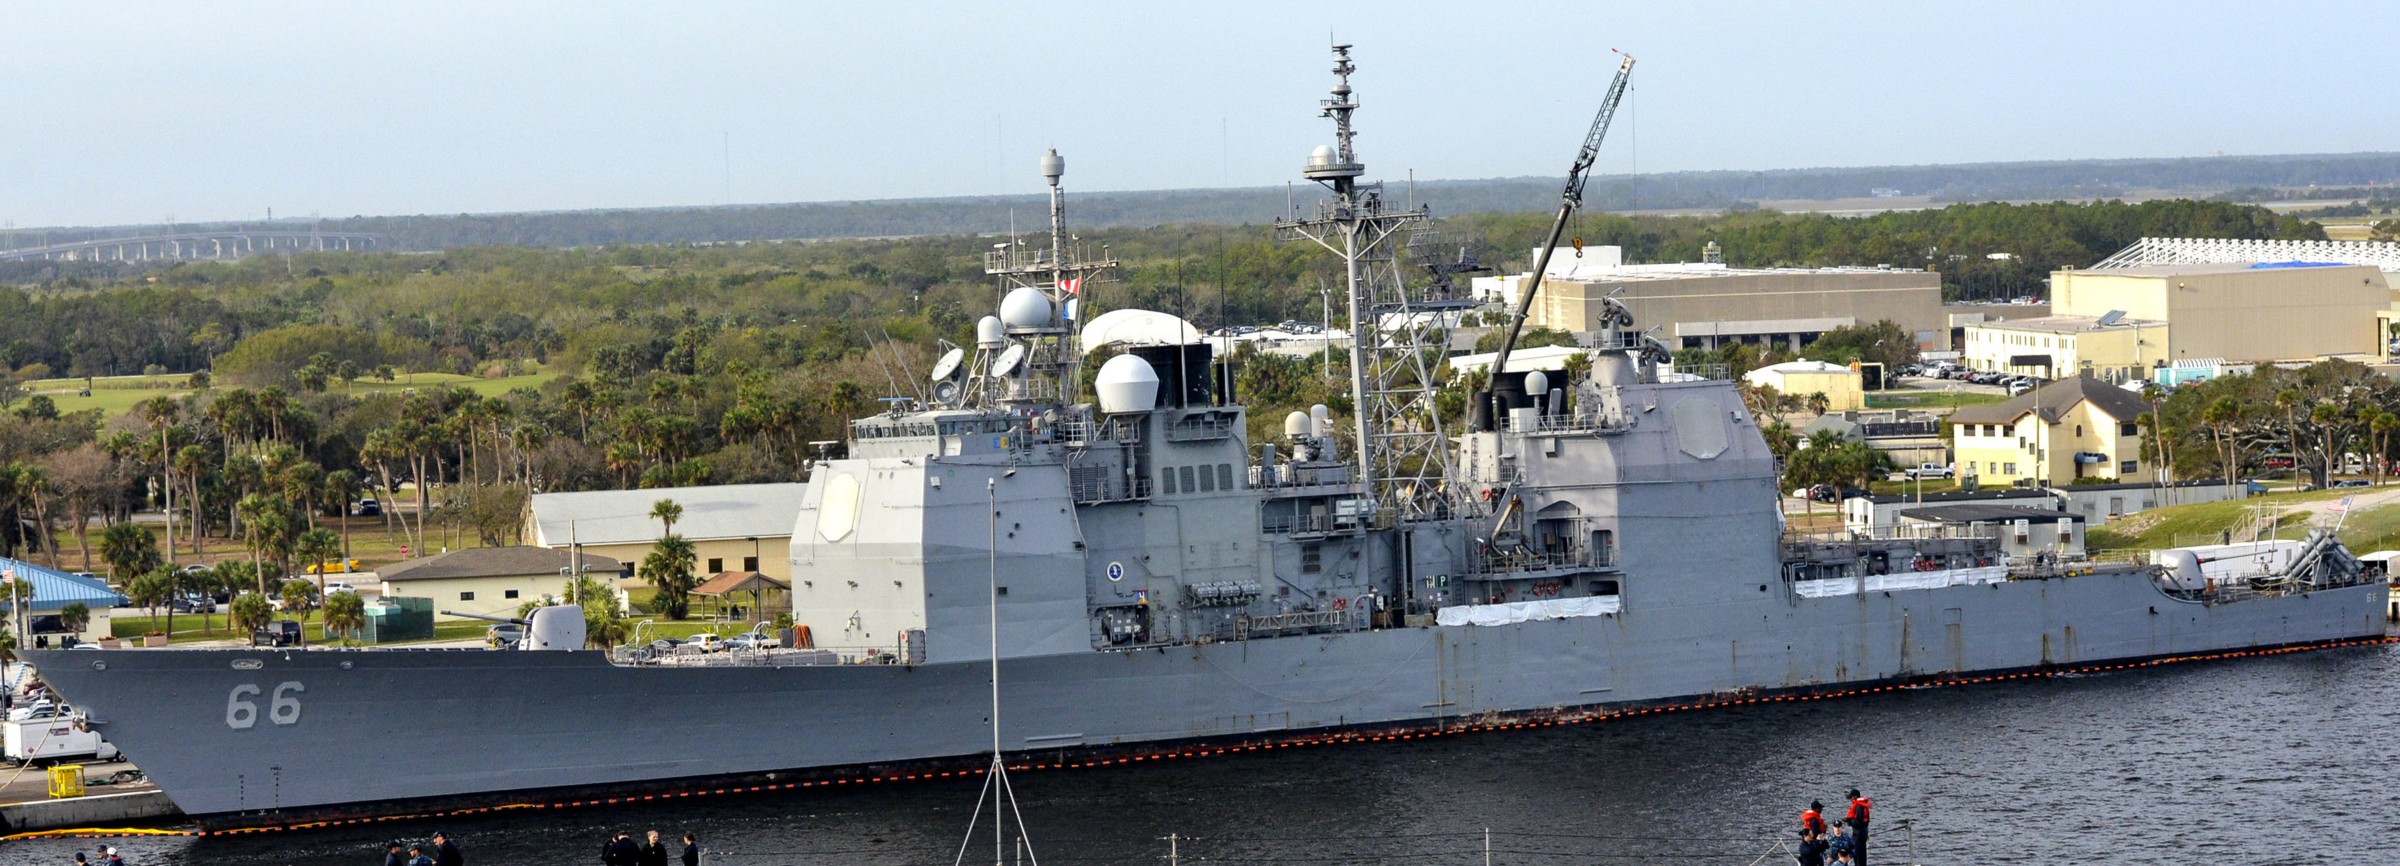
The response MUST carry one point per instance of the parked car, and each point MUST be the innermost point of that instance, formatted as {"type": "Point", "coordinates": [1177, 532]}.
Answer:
{"type": "Point", "coordinates": [334, 566]}
{"type": "Point", "coordinates": [2016, 388]}
{"type": "Point", "coordinates": [505, 635]}
{"type": "Point", "coordinates": [1830, 493]}
{"type": "Point", "coordinates": [708, 643]}
{"type": "Point", "coordinates": [754, 639]}
{"type": "Point", "coordinates": [2279, 463]}
{"type": "Point", "coordinates": [1930, 470]}
{"type": "Point", "coordinates": [193, 604]}
{"type": "Point", "coordinates": [368, 507]}
{"type": "Point", "coordinates": [282, 632]}
{"type": "Point", "coordinates": [338, 586]}
{"type": "Point", "coordinates": [2349, 482]}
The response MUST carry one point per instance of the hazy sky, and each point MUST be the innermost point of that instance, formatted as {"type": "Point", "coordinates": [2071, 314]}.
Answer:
{"type": "Point", "coordinates": [134, 112]}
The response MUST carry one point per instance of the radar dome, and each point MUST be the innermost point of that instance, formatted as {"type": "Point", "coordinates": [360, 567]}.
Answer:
{"type": "Point", "coordinates": [1126, 384]}
{"type": "Point", "coordinates": [1537, 383]}
{"type": "Point", "coordinates": [1323, 155]}
{"type": "Point", "coordinates": [1295, 425]}
{"type": "Point", "coordinates": [1053, 165]}
{"type": "Point", "coordinates": [1025, 307]}
{"type": "Point", "coordinates": [989, 333]}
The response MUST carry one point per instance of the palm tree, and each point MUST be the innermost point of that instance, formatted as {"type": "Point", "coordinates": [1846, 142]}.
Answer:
{"type": "Point", "coordinates": [250, 612]}
{"type": "Point", "coordinates": [319, 545]}
{"type": "Point", "coordinates": [153, 591]}
{"type": "Point", "coordinates": [129, 548]}
{"type": "Point", "coordinates": [666, 512]}
{"type": "Point", "coordinates": [74, 616]}
{"type": "Point", "coordinates": [300, 597]}
{"type": "Point", "coordinates": [208, 581]}
{"type": "Point", "coordinates": [345, 614]}
{"type": "Point", "coordinates": [340, 489]}
{"type": "Point", "coordinates": [669, 568]}
{"type": "Point", "coordinates": [160, 413]}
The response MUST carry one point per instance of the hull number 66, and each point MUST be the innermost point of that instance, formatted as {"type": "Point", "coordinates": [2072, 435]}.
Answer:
{"type": "Point", "coordinates": [283, 706]}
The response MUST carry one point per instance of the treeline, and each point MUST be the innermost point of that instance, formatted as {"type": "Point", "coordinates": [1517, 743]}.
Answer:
{"type": "Point", "coordinates": [624, 311]}
{"type": "Point", "coordinates": [1711, 190]}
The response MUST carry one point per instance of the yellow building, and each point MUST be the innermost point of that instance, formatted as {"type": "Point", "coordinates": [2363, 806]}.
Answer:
{"type": "Point", "coordinates": [2071, 429]}
{"type": "Point", "coordinates": [492, 581]}
{"type": "Point", "coordinates": [2121, 350]}
{"type": "Point", "coordinates": [732, 527]}
{"type": "Point", "coordinates": [2238, 312]}
{"type": "Point", "coordinates": [1841, 385]}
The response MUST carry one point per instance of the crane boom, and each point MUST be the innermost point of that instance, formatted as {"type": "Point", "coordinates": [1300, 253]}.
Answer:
{"type": "Point", "coordinates": [1569, 200]}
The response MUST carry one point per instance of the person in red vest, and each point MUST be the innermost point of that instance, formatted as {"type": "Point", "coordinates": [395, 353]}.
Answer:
{"type": "Point", "coordinates": [1813, 820]}
{"type": "Point", "coordinates": [1857, 818]}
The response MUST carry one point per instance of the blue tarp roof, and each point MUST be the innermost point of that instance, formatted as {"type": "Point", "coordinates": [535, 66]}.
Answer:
{"type": "Point", "coordinates": [54, 589]}
{"type": "Point", "coordinates": [2295, 265]}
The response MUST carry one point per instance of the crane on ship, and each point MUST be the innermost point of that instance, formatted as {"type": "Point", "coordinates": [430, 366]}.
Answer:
{"type": "Point", "coordinates": [1568, 202]}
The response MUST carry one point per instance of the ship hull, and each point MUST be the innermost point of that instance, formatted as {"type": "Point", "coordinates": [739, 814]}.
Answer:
{"type": "Point", "coordinates": [366, 732]}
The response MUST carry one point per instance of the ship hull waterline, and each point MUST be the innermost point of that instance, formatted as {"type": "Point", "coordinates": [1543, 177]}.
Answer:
{"type": "Point", "coordinates": [359, 733]}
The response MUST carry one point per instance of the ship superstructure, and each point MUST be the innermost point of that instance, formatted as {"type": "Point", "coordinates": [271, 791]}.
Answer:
{"type": "Point", "coordinates": [1149, 576]}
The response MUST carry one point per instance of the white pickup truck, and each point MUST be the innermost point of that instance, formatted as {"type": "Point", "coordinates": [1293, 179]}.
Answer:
{"type": "Point", "coordinates": [1929, 470]}
{"type": "Point", "coordinates": [27, 740]}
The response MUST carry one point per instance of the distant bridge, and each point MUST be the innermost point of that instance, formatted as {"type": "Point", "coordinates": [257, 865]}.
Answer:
{"type": "Point", "coordinates": [191, 246]}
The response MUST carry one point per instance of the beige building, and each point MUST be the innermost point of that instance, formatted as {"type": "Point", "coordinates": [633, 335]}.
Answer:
{"type": "Point", "coordinates": [2112, 350]}
{"type": "Point", "coordinates": [1706, 305]}
{"type": "Point", "coordinates": [2078, 427]}
{"type": "Point", "coordinates": [732, 527]}
{"type": "Point", "coordinates": [1841, 385]}
{"type": "Point", "coordinates": [493, 581]}
{"type": "Point", "coordinates": [2239, 312]}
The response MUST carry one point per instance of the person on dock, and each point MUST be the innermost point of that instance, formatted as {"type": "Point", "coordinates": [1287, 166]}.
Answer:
{"type": "Point", "coordinates": [654, 852]}
{"type": "Point", "coordinates": [691, 850]}
{"type": "Point", "coordinates": [1857, 819]}
{"type": "Point", "coordinates": [618, 851]}
{"type": "Point", "coordinates": [445, 852]}
{"type": "Point", "coordinates": [1838, 845]}
{"type": "Point", "coordinates": [1812, 848]}
{"type": "Point", "coordinates": [1813, 820]}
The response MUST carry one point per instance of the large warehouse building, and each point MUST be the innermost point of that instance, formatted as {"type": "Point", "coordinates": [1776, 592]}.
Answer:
{"type": "Point", "coordinates": [1706, 304]}
{"type": "Point", "coordinates": [2117, 323]}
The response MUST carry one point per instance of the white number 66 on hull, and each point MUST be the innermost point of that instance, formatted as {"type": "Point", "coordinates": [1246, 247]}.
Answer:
{"type": "Point", "coordinates": [283, 708]}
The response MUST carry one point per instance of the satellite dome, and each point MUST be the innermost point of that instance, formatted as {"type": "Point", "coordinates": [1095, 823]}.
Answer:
{"type": "Point", "coordinates": [1025, 307]}
{"type": "Point", "coordinates": [1537, 383]}
{"type": "Point", "coordinates": [989, 333]}
{"type": "Point", "coordinates": [1126, 384]}
{"type": "Point", "coordinates": [1295, 425]}
{"type": "Point", "coordinates": [1323, 155]}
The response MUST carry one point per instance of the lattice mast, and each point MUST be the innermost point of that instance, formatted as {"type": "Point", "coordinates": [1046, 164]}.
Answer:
{"type": "Point", "coordinates": [1401, 455]}
{"type": "Point", "coordinates": [1065, 274]}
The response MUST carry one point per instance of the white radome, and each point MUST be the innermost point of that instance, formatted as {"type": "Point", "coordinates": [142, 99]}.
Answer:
{"type": "Point", "coordinates": [1026, 307]}
{"type": "Point", "coordinates": [1126, 384]}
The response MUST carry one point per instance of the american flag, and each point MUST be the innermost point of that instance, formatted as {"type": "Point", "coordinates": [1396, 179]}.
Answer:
{"type": "Point", "coordinates": [2339, 507]}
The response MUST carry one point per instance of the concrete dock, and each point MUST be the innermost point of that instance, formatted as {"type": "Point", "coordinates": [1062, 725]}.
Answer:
{"type": "Point", "coordinates": [26, 804]}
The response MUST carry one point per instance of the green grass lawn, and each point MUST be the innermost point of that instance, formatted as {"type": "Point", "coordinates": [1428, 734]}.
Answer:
{"type": "Point", "coordinates": [1914, 399]}
{"type": "Point", "coordinates": [119, 394]}
{"type": "Point", "coordinates": [2161, 527]}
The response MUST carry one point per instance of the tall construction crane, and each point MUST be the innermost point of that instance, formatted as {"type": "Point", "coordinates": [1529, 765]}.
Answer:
{"type": "Point", "coordinates": [1567, 203]}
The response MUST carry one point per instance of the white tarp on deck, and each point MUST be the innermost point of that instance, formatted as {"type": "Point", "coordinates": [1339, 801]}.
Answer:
{"type": "Point", "coordinates": [1902, 580]}
{"type": "Point", "coordinates": [1523, 611]}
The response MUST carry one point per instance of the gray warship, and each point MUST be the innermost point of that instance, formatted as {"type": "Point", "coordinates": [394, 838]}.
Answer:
{"type": "Point", "coordinates": [1568, 547]}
